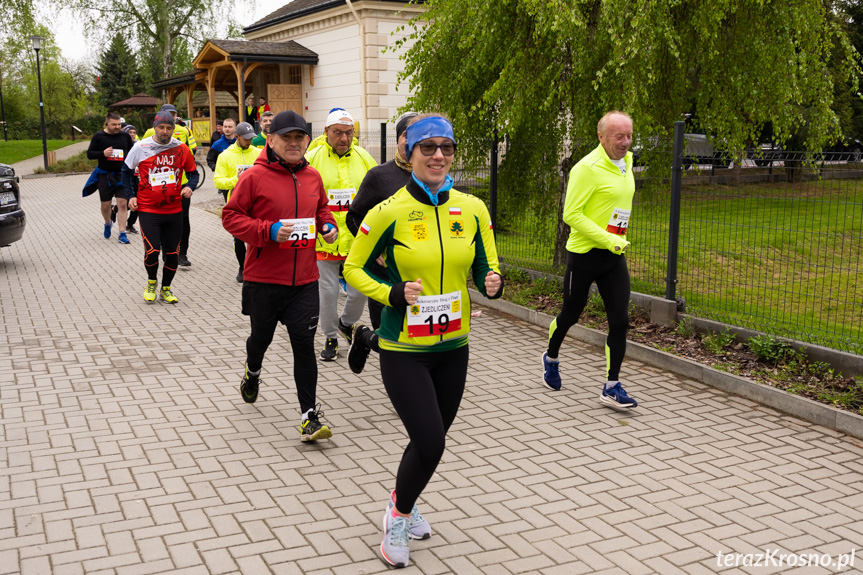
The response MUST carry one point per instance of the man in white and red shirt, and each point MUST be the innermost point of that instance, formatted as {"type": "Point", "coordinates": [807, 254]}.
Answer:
{"type": "Point", "coordinates": [161, 161]}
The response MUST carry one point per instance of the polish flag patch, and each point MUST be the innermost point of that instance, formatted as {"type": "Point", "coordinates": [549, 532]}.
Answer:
{"type": "Point", "coordinates": [365, 228]}
{"type": "Point", "coordinates": [490, 226]}
{"type": "Point", "coordinates": [455, 211]}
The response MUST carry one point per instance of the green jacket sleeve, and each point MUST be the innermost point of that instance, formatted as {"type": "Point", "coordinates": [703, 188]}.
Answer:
{"type": "Point", "coordinates": [373, 239]}
{"type": "Point", "coordinates": [578, 192]}
{"type": "Point", "coordinates": [485, 258]}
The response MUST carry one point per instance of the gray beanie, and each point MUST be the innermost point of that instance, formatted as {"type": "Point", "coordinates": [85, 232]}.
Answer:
{"type": "Point", "coordinates": [163, 118]}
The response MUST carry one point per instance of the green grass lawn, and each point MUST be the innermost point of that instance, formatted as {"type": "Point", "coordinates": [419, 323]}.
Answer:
{"type": "Point", "coordinates": [781, 258]}
{"type": "Point", "coordinates": [17, 150]}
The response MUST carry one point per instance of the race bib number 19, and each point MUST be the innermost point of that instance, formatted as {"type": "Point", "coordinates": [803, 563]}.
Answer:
{"type": "Point", "coordinates": [434, 315]}
{"type": "Point", "coordinates": [302, 236]}
{"type": "Point", "coordinates": [618, 222]}
{"type": "Point", "coordinates": [340, 200]}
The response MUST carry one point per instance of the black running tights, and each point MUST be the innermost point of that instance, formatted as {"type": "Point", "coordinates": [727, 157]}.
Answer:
{"type": "Point", "coordinates": [296, 307]}
{"type": "Point", "coordinates": [611, 275]}
{"type": "Point", "coordinates": [425, 390]}
{"type": "Point", "coordinates": [161, 233]}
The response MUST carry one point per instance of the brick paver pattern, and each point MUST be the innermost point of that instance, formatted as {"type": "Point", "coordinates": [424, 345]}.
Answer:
{"type": "Point", "coordinates": [125, 447]}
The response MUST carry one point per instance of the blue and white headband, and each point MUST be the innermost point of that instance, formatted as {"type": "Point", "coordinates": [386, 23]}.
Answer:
{"type": "Point", "coordinates": [431, 127]}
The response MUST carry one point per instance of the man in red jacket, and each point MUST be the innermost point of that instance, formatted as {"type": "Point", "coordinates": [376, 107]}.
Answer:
{"type": "Point", "coordinates": [276, 208]}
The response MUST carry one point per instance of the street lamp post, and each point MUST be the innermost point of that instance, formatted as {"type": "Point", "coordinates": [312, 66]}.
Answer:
{"type": "Point", "coordinates": [37, 45]}
{"type": "Point", "coordinates": [3, 110]}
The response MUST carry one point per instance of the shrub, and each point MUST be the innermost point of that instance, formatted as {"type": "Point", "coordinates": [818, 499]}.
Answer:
{"type": "Point", "coordinates": [770, 349]}
{"type": "Point", "coordinates": [716, 342]}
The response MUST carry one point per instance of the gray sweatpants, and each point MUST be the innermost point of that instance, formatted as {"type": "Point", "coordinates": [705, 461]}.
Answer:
{"type": "Point", "coordinates": [328, 288]}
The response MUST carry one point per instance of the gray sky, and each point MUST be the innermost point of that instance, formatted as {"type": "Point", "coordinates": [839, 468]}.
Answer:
{"type": "Point", "coordinates": [75, 46]}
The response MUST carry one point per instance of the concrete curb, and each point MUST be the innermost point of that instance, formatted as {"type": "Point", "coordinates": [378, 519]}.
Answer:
{"type": "Point", "coordinates": [817, 413]}
{"type": "Point", "coordinates": [40, 176]}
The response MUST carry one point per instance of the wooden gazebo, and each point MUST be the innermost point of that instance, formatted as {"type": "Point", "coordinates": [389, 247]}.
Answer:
{"type": "Point", "coordinates": [239, 67]}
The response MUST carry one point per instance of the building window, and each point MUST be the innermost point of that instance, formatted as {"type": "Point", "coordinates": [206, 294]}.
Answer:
{"type": "Point", "coordinates": [295, 74]}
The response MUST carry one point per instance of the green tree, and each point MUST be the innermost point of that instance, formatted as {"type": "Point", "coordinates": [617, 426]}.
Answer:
{"type": "Point", "coordinates": [560, 64]}
{"type": "Point", "coordinates": [543, 72]}
{"type": "Point", "coordinates": [118, 72]}
{"type": "Point", "coordinates": [163, 31]}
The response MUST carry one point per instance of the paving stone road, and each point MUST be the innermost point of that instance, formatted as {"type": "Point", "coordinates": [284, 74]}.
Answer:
{"type": "Point", "coordinates": [125, 447]}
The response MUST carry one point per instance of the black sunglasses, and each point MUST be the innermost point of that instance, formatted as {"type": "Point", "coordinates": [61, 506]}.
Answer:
{"type": "Point", "coordinates": [429, 148]}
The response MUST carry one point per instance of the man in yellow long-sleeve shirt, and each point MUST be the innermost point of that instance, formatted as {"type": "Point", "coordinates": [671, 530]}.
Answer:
{"type": "Point", "coordinates": [237, 158]}
{"type": "Point", "coordinates": [597, 208]}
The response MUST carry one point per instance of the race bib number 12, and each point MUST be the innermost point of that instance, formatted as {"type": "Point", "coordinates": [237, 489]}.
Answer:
{"type": "Point", "coordinates": [434, 315]}
{"type": "Point", "coordinates": [618, 222]}
{"type": "Point", "coordinates": [302, 236]}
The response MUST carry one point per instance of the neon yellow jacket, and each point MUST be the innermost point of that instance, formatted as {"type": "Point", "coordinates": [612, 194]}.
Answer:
{"type": "Point", "coordinates": [225, 177]}
{"type": "Point", "coordinates": [598, 200]}
{"type": "Point", "coordinates": [183, 134]}
{"type": "Point", "coordinates": [345, 173]}
{"type": "Point", "coordinates": [437, 244]}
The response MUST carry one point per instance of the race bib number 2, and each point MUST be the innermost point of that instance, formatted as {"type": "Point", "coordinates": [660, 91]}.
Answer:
{"type": "Point", "coordinates": [302, 236]}
{"type": "Point", "coordinates": [434, 315]}
{"type": "Point", "coordinates": [163, 177]}
{"type": "Point", "coordinates": [618, 223]}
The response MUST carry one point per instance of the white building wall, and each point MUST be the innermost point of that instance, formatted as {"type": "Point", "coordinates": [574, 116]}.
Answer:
{"type": "Point", "coordinates": [334, 36]}
{"type": "Point", "coordinates": [337, 75]}
{"type": "Point", "coordinates": [393, 96]}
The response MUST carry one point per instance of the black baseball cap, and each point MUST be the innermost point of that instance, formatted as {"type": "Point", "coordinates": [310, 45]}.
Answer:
{"type": "Point", "coordinates": [167, 108]}
{"type": "Point", "coordinates": [289, 121]}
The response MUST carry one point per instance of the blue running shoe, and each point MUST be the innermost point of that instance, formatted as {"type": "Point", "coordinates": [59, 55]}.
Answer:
{"type": "Point", "coordinates": [123, 239]}
{"type": "Point", "coordinates": [394, 546]}
{"type": "Point", "coordinates": [418, 528]}
{"type": "Point", "coordinates": [615, 396]}
{"type": "Point", "coordinates": [552, 373]}
{"type": "Point", "coordinates": [107, 233]}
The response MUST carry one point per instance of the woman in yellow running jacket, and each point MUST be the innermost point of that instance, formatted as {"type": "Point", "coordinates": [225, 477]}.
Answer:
{"type": "Point", "coordinates": [431, 236]}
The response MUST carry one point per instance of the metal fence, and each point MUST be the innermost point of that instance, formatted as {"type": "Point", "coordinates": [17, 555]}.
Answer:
{"type": "Point", "coordinates": [768, 239]}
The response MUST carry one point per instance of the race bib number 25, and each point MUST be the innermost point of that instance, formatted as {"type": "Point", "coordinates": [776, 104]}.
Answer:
{"type": "Point", "coordinates": [302, 236]}
{"type": "Point", "coordinates": [435, 315]}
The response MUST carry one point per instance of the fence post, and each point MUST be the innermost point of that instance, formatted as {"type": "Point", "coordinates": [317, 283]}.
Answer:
{"type": "Point", "coordinates": [674, 223]}
{"type": "Point", "coordinates": [383, 142]}
{"type": "Point", "coordinates": [492, 192]}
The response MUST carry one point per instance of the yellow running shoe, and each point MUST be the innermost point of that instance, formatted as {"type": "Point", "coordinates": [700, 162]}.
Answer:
{"type": "Point", "coordinates": [167, 296]}
{"type": "Point", "coordinates": [150, 292]}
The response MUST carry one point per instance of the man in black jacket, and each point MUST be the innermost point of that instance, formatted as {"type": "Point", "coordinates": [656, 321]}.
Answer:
{"type": "Point", "coordinates": [380, 183]}
{"type": "Point", "coordinates": [110, 147]}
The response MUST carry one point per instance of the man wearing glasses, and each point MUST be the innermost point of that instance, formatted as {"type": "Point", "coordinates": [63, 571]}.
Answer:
{"type": "Point", "coordinates": [342, 166]}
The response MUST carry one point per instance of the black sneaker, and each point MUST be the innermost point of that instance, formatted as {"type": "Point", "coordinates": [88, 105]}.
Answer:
{"type": "Point", "coordinates": [331, 349]}
{"type": "Point", "coordinates": [312, 429]}
{"type": "Point", "coordinates": [131, 230]}
{"type": "Point", "coordinates": [347, 331]}
{"type": "Point", "coordinates": [359, 351]}
{"type": "Point", "coordinates": [249, 386]}
{"type": "Point", "coordinates": [114, 213]}
{"type": "Point", "coordinates": [184, 261]}
{"type": "Point", "coordinates": [240, 276]}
